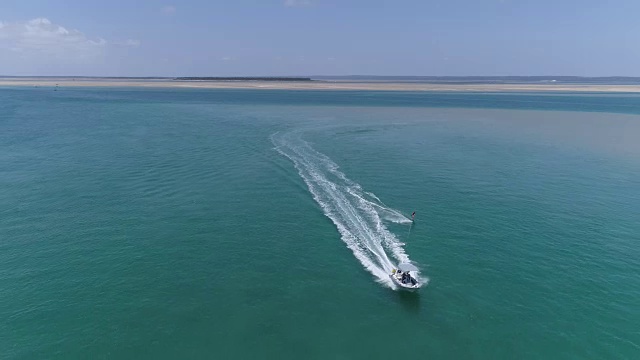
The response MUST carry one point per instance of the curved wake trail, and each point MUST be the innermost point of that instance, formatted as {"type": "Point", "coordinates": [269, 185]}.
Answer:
{"type": "Point", "coordinates": [357, 214]}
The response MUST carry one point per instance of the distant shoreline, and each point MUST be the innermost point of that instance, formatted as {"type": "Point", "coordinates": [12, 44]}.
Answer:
{"type": "Point", "coordinates": [572, 80]}
{"type": "Point", "coordinates": [320, 84]}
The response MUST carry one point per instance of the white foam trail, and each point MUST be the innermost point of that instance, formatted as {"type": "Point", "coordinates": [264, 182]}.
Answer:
{"type": "Point", "coordinates": [373, 196]}
{"type": "Point", "coordinates": [357, 214]}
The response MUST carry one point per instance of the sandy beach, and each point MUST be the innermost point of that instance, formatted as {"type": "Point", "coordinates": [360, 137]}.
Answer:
{"type": "Point", "coordinates": [314, 85]}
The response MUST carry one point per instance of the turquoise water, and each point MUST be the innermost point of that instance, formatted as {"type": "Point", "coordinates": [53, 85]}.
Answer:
{"type": "Point", "coordinates": [258, 224]}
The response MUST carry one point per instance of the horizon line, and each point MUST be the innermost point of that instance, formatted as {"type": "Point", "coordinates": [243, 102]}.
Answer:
{"type": "Point", "coordinates": [327, 76]}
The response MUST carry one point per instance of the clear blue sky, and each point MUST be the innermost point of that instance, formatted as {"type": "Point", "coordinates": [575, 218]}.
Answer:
{"type": "Point", "coordinates": [320, 37]}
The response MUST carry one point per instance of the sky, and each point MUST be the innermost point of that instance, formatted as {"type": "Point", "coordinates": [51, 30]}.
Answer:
{"type": "Point", "coordinates": [319, 37]}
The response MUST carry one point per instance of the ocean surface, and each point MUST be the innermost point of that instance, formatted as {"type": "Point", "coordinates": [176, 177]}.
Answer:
{"type": "Point", "coordinates": [261, 224]}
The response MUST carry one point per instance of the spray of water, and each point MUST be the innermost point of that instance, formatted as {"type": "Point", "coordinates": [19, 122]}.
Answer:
{"type": "Point", "coordinates": [360, 216]}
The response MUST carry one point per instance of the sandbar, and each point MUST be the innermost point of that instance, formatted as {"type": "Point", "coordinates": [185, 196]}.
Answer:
{"type": "Point", "coordinates": [315, 85]}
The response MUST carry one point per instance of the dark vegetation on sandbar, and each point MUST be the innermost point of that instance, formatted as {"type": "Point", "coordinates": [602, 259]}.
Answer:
{"type": "Point", "coordinates": [214, 78]}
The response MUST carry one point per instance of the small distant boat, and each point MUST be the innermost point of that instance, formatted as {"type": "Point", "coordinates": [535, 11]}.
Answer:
{"type": "Point", "coordinates": [406, 276]}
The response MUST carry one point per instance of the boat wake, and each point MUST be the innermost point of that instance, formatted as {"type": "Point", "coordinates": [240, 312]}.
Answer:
{"type": "Point", "coordinates": [359, 215]}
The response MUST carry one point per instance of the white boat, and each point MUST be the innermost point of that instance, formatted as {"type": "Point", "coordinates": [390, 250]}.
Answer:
{"type": "Point", "coordinates": [406, 276]}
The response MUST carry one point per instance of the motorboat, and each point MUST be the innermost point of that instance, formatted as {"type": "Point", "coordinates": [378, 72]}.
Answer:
{"type": "Point", "coordinates": [406, 276]}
